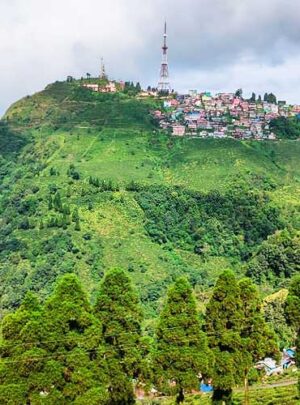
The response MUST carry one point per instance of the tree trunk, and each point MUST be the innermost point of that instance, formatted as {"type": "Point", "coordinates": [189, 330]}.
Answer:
{"type": "Point", "coordinates": [246, 390]}
{"type": "Point", "coordinates": [180, 396]}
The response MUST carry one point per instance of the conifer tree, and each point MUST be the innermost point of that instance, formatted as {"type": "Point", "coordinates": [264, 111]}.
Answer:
{"type": "Point", "coordinates": [292, 310]}
{"type": "Point", "coordinates": [238, 334]}
{"type": "Point", "coordinates": [57, 204]}
{"type": "Point", "coordinates": [53, 354]}
{"type": "Point", "coordinates": [77, 225]}
{"type": "Point", "coordinates": [66, 209]}
{"type": "Point", "coordinates": [22, 364]}
{"type": "Point", "coordinates": [119, 311]}
{"type": "Point", "coordinates": [181, 348]}
{"type": "Point", "coordinates": [75, 341]}
{"type": "Point", "coordinates": [257, 339]}
{"type": "Point", "coordinates": [75, 215]}
{"type": "Point", "coordinates": [50, 203]}
{"type": "Point", "coordinates": [223, 319]}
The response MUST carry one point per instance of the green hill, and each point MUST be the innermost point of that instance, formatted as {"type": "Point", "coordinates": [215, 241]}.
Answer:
{"type": "Point", "coordinates": [88, 183]}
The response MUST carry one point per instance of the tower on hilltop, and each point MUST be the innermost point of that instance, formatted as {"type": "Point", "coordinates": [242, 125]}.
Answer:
{"type": "Point", "coordinates": [103, 74]}
{"type": "Point", "coordinates": [164, 84]}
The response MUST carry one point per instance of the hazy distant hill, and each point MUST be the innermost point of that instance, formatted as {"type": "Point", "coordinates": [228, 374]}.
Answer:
{"type": "Point", "coordinates": [89, 183]}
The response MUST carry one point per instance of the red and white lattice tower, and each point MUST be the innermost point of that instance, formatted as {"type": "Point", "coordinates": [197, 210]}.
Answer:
{"type": "Point", "coordinates": [164, 84]}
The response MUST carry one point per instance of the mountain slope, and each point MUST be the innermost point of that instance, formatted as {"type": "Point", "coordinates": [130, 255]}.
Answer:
{"type": "Point", "coordinates": [78, 195]}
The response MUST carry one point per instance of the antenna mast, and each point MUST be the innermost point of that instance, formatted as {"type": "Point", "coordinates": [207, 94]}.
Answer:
{"type": "Point", "coordinates": [164, 84]}
{"type": "Point", "coordinates": [103, 75]}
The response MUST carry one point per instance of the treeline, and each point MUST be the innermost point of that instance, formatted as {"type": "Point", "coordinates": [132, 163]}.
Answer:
{"type": "Point", "coordinates": [286, 128]}
{"type": "Point", "coordinates": [48, 229]}
{"type": "Point", "coordinates": [268, 97]}
{"type": "Point", "coordinates": [10, 142]}
{"type": "Point", "coordinates": [214, 224]}
{"type": "Point", "coordinates": [68, 351]}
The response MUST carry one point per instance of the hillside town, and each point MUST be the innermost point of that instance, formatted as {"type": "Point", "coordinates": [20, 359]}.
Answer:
{"type": "Point", "coordinates": [201, 114]}
{"type": "Point", "coordinates": [222, 115]}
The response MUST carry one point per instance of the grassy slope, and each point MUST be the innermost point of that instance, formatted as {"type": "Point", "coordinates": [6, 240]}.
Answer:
{"type": "Point", "coordinates": [134, 152]}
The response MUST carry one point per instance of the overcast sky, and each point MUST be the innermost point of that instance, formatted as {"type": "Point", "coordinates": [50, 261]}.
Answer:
{"type": "Point", "coordinates": [215, 45]}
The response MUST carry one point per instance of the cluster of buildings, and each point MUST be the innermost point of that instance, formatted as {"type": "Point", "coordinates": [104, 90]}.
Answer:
{"type": "Point", "coordinates": [109, 87]}
{"type": "Point", "coordinates": [102, 84]}
{"type": "Point", "coordinates": [220, 116]}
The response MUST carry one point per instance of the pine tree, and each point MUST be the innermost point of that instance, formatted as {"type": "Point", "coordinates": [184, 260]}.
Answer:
{"type": "Point", "coordinates": [22, 364]}
{"type": "Point", "coordinates": [75, 215]}
{"type": "Point", "coordinates": [75, 342]}
{"type": "Point", "coordinates": [181, 348]}
{"type": "Point", "coordinates": [77, 225]}
{"type": "Point", "coordinates": [224, 316]}
{"type": "Point", "coordinates": [238, 334]}
{"type": "Point", "coordinates": [292, 310]}
{"type": "Point", "coordinates": [119, 311]}
{"type": "Point", "coordinates": [257, 339]}
{"type": "Point", "coordinates": [50, 203]}
{"type": "Point", "coordinates": [66, 209]}
{"type": "Point", "coordinates": [55, 350]}
{"type": "Point", "coordinates": [64, 221]}
{"type": "Point", "coordinates": [57, 204]}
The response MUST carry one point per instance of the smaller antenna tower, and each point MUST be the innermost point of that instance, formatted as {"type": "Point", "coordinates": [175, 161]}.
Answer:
{"type": "Point", "coordinates": [103, 75]}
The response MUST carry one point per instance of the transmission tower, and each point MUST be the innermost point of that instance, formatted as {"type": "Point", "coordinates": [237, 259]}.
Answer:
{"type": "Point", "coordinates": [102, 71]}
{"type": "Point", "coordinates": [164, 84]}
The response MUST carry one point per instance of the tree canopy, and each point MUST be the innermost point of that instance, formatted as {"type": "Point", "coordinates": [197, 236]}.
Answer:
{"type": "Point", "coordinates": [181, 352]}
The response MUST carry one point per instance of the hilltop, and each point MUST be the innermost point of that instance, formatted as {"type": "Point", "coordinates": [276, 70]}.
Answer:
{"type": "Point", "coordinates": [89, 182]}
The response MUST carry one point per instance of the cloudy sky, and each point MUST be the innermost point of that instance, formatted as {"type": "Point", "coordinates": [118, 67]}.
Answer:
{"type": "Point", "coordinates": [216, 45]}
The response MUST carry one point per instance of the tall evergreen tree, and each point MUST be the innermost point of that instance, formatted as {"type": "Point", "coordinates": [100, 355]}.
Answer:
{"type": "Point", "coordinates": [119, 310]}
{"type": "Point", "coordinates": [21, 363]}
{"type": "Point", "coordinates": [292, 310]}
{"type": "Point", "coordinates": [75, 340]}
{"type": "Point", "coordinates": [224, 316]}
{"type": "Point", "coordinates": [57, 204]}
{"type": "Point", "coordinates": [75, 215]}
{"type": "Point", "coordinates": [238, 334]}
{"type": "Point", "coordinates": [181, 349]}
{"type": "Point", "coordinates": [53, 354]}
{"type": "Point", "coordinates": [257, 339]}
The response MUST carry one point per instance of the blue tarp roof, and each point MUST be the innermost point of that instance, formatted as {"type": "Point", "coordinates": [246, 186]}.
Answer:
{"type": "Point", "coordinates": [206, 388]}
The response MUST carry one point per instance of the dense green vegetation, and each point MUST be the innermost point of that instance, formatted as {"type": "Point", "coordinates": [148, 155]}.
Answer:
{"type": "Point", "coordinates": [286, 128]}
{"type": "Point", "coordinates": [212, 224]}
{"type": "Point", "coordinates": [89, 183]}
{"type": "Point", "coordinates": [277, 258]}
{"type": "Point", "coordinates": [179, 327]}
{"type": "Point", "coordinates": [68, 351]}
{"type": "Point", "coordinates": [293, 314]}
{"type": "Point", "coordinates": [238, 334]}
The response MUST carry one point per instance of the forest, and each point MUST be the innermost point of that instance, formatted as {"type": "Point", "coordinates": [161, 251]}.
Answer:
{"type": "Point", "coordinates": [69, 351]}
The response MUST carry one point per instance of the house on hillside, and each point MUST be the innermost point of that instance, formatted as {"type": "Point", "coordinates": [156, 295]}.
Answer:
{"type": "Point", "coordinates": [178, 130]}
{"type": "Point", "coordinates": [90, 86]}
{"type": "Point", "coordinates": [109, 88]}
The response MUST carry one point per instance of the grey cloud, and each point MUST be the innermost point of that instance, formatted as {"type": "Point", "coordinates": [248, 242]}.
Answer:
{"type": "Point", "coordinates": [253, 44]}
